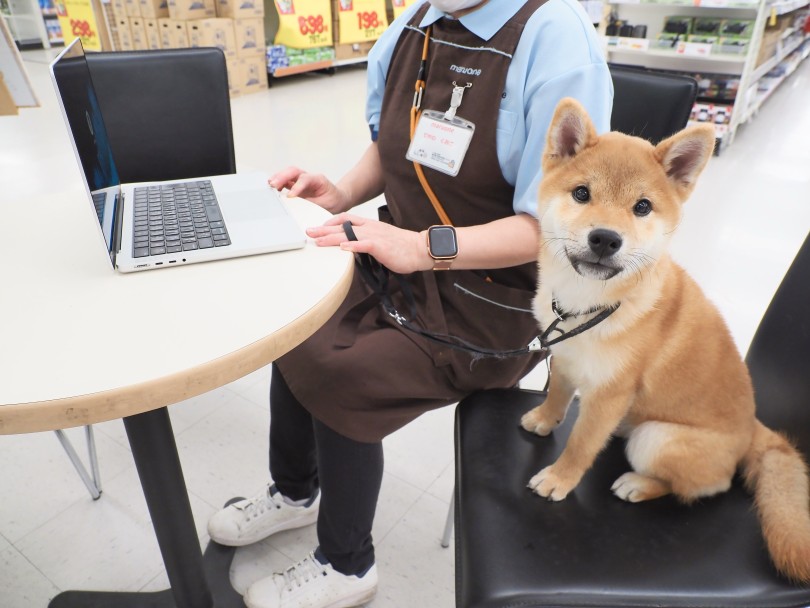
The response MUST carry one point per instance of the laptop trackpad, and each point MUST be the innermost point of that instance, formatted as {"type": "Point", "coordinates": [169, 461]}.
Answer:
{"type": "Point", "coordinates": [250, 205]}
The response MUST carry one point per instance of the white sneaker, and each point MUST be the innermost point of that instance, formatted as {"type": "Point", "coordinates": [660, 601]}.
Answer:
{"type": "Point", "coordinates": [311, 584]}
{"type": "Point", "coordinates": [250, 520]}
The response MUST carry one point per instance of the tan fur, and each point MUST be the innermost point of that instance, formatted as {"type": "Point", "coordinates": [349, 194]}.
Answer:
{"type": "Point", "coordinates": [663, 369]}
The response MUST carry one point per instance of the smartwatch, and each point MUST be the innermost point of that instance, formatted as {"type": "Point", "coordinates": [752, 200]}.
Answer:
{"type": "Point", "coordinates": [442, 246]}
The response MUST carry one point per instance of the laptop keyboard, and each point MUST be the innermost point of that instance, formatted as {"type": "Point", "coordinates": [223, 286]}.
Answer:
{"type": "Point", "coordinates": [171, 218]}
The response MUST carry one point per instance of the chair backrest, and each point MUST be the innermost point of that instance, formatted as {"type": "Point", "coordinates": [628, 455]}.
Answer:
{"type": "Point", "coordinates": [167, 112]}
{"type": "Point", "coordinates": [649, 104]}
{"type": "Point", "coordinates": [779, 356]}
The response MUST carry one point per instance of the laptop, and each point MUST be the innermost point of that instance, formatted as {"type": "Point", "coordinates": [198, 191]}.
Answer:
{"type": "Point", "coordinates": [153, 225]}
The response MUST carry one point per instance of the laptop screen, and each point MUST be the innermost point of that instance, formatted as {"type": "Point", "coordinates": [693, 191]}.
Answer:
{"type": "Point", "coordinates": [90, 141]}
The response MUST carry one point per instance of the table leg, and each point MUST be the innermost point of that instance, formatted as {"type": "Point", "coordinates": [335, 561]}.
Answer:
{"type": "Point", "coordinates": [197, 581]}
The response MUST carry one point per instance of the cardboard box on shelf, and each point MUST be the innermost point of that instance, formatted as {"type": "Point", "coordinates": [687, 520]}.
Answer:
{"type": "Point", "coordinates": [192, 9]}
{"type": "Point", "coordinates": [119, 8]}
{"type": "Point", "coordinates": [352, 51]}
{"type": "Point", "coordinates": [124, 35]}
{"type": "Point", "coordinates": [240, 9]}
{"type": "Point", "coordinates": [133, 8]}
{"type": "Point", "coordinates": [249, 74]}
{"type": "Point", "coordinates": [152, 34]}
{"type": "Point", "coordinates": [232, 63]}
{"type": "Point", "coordinates": [249, 35]}
{"type": "Point", "coordinates": [218, 32]}
{"type": "Point", "coordinates": [138, 29]}
{"type": "Point", "coordinates": [173, 33]}
{"type": "Point", "coordinates": [154, 9]}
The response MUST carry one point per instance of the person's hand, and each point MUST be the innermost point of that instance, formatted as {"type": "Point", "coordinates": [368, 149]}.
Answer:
{"type": "Point", "coordinates": [401, 251]}
{"type": "Point", "coordinates": [312, 187]}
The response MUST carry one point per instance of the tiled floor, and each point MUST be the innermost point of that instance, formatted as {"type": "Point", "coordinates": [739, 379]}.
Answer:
{"type": "Point", "coordinates": [742, 227]}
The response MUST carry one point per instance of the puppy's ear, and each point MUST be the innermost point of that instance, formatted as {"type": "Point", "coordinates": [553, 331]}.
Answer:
{"type": "Point", "coordinates": [684, 156]}
{"type": "Point", "coordinates": [570, 132]}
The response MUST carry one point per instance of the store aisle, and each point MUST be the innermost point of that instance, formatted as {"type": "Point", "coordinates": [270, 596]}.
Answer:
{"type": "Point", "coordinates": [744, 223]}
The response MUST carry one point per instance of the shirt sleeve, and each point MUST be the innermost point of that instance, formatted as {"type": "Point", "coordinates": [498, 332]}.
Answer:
{"type": "Point", "coordinates": [559, 56]}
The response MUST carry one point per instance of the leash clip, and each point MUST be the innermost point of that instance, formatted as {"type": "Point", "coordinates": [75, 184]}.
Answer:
{"type": "Point", "coordinates": [555, 308]}
{"type": "Point", "coordinates": [394, 314]}
{"type": "Point", "coordinates": [536, 345]}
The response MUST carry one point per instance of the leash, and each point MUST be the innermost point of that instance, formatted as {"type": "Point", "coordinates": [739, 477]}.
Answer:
{"type": "Point", "coordinates": [377, 277]}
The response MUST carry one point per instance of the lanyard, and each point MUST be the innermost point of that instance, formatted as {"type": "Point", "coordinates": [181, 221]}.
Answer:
{"type": "Point", "coordinates": [419, 89]}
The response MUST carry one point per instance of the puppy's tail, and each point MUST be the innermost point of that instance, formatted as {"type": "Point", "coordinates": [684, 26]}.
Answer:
{"type": "Point", "coordinates": [777, 475]}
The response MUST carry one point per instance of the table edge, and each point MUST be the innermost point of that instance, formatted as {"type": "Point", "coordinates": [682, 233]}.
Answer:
{"type": "Point", "coordinates": [134, 399]}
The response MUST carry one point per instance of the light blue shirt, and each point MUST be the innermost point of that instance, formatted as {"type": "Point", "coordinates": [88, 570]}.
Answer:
{"type": "Point", "coordinates": [559, 55]}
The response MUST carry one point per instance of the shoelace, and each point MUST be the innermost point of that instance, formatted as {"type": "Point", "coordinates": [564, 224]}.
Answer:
{"type": "Point", "coordinates": [304, 571]}
{"type": "Point", "coordinates": [259, 504]}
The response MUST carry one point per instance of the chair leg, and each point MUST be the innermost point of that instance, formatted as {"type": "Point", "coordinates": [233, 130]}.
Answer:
{"type": "Point", "coordinates": [93, 483]}
{"type": "Point", "coordinates": [448, 525]}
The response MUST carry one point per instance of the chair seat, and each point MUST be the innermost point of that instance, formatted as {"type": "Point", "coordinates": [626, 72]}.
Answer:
{"type": "Point", "coordinates": [514, 548]}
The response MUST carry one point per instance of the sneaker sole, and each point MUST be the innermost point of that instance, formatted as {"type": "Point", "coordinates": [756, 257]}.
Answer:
{"type": "Point", "coordinates": [306, 519]}
{"type": "Point", "coordinates": [353, 601]}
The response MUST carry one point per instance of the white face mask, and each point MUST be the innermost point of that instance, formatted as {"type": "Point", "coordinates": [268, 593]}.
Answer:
{"type": "Point", "coordinates": [451, 6]}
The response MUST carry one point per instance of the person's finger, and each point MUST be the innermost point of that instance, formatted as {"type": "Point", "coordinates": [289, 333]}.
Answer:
{"type": "Point", "coordinates": [285, 178]}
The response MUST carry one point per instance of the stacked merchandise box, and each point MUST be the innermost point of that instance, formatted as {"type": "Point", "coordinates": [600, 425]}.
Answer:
{"type": "Point", "coordinates": [356, 25]}
{"type": "Point", "coordinates": [152, 34]}
{"type": "Point", "coordinates": [173, 33]}
{"type": "Point", "coordinates": [247, 70]}
{"type": "Point", "coordinates": [138, 30]}
{"type": "Point", "coordinates": [124, 34]}
{"type": "Point", "coordinates": [154, 9]}
{"type": "Point", "coordinates": [188, 10]}
{"type": "Point", "coordinates": [215, 31]}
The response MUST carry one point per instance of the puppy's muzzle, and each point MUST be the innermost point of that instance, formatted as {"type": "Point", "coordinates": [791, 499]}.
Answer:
{"type": "Point", "coordinates": [604, 243]}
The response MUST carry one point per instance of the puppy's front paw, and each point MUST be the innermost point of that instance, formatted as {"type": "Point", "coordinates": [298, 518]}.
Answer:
{"type": "Point", "coordinates": [548, 483]}
{"type": "Point", "coordinates": [537, 421]}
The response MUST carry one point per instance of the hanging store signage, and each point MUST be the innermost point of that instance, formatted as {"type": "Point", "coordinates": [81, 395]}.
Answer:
{"type": "Point", "coordinates": [78, 20]}
{"type": "Point", "coordinates": [360, 20]}
{"type": "Point", "coordinates": [304, 24]}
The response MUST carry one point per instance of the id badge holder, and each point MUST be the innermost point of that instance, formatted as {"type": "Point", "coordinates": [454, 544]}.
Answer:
{"type": "Point", "coordinates": [440, 142]}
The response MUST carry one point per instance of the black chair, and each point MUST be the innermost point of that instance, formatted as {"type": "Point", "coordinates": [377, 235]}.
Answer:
{"type": "Point", "coordinates": [167, 112]}
{"type": "Point", "coordinates": [168, 116]}
{"type": "Point", "coordinates": [650, 104]}
{"type": "Point", "coordinates": [515, 549]}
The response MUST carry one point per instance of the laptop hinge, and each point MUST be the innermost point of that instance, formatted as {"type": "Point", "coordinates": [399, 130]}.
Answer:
{"type": "Point", "coordinates": [119, 216]}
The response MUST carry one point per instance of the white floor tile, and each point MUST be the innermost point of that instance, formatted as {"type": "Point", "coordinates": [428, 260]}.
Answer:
{"type": "Point", "coordinates": [747, 218]}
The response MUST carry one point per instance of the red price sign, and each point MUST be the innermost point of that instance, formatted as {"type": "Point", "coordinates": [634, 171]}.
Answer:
{"type": "Point", "coordinates": [81, 28]}
{"type": "Point", "coordinates": [361, 20]}
{"type": "Point", "coordinates": [367, 20]}
{"type": "Point", "coordinates": [304, 24]}
{"type": "Point", "coordinates": [312, 25]}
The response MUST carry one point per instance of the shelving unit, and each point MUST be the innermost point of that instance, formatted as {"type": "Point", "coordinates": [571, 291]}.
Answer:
{"type": "Point", "coordinates": [52, 27]}
{"type": "Point", "coordinates": [26, 23]}
{"type": "Point", "coordinates": [315, 66]}
{"type": "Point", "coordinates": [747, 67]}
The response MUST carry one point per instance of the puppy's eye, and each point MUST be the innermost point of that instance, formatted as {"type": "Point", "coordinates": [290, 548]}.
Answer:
{"type": "Point", "coordinates": [642, 207]}
{"type": "Point", "coordinates": [581, 194]}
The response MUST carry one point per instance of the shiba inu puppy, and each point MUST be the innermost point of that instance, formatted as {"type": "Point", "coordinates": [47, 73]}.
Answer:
{"type": "Point", "coordinates": [661, 368]}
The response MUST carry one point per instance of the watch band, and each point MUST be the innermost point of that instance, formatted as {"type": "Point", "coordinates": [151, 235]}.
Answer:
{"type": "Point", "coordinates": [442, 264]}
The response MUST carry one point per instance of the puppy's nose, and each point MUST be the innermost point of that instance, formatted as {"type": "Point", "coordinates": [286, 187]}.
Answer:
{"type": "Point", "coordinates": [604, 243]}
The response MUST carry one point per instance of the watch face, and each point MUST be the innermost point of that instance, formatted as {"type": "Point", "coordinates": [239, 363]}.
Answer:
{"type": "Point", "coordinates": [443, 242]}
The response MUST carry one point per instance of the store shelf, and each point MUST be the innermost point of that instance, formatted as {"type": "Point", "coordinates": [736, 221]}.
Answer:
{"type": "Point", "coordinates": [723, 57]}
{"type": "Point", "coordinates": [730, 4]}
{"type": "Point", "coordinates": [280, 72]}
{"type": "Point", "coordinates": [765, 41]}
{"type": "Point", "coordinates": [766, 67]}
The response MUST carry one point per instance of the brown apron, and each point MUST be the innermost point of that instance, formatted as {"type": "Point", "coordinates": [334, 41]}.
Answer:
{"type": "Point", "coordinates": [361, 373]}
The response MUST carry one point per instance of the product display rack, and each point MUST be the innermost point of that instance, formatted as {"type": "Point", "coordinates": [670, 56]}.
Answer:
{"type": "Point", "coordinates": [26, 22]}
{"type": "Point", "coordinates": [756, 65]}
{"type": "Point", "coordinates": [315, 66]}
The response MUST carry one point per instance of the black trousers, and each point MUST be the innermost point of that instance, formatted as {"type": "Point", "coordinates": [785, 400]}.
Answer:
{"type": "Point", "coordinates": [306, 455]}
